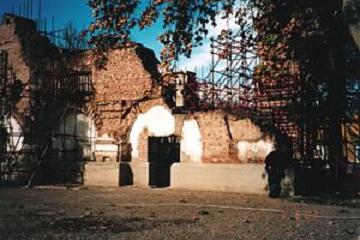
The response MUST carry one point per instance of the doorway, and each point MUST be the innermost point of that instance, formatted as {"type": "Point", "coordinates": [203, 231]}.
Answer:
{"type": "Point", "coordinates": [163, 152]}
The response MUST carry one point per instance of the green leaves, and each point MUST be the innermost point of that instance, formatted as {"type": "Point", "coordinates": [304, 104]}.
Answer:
{"type": "Point", "coordinates": [185, 23]}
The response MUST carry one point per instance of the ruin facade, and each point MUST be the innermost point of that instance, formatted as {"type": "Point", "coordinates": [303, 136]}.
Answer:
{"type": "Point", "coordinates": [108, 129]}
{"type": "Point", "coordinates": [65, 120]}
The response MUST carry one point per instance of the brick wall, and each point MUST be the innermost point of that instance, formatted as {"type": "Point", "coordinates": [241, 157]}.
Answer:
{"type": "Point", "coordinates": [125, 77]}
{"type": "Point", "coordinates": [215, 136]}
{"type": "Point", "coordinates": [126, 86]}
{"type": "Point", "coordinates": [10, 42]}
{"type": "Point", "coordinates": [244, 129]}
{"type": "Point", "coordinates": [31, 57]}
{"type": "Point", "coordinates": [221, 133]}
{"type": "Point", "coordinates": [143, 146]}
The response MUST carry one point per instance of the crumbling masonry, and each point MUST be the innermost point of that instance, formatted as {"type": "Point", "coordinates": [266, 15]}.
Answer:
{"type": "Point", "coordinates": [63, 120]}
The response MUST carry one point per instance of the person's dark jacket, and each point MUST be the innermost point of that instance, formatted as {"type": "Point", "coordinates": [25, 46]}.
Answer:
{"type": "Point", "coordinates": [275, 163]}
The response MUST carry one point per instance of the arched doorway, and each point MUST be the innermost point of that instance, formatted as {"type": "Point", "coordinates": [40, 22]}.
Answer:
{"type": "Point", "coordinates": [73, 143]}
{"type": "Point", "coordinates": [154, 146]}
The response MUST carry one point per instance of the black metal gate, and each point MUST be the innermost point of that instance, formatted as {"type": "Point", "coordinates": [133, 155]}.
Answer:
{"type": "Point", "coordinates": [163, 152]}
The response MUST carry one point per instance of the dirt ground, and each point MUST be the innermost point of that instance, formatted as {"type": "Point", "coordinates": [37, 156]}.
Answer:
{"type": "Point", "coordinates": [139, 213]}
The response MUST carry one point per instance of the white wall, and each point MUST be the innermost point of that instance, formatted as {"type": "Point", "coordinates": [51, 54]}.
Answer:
{"type": "Point", "coordinates": [158, 121]}
{"type": "Point", "coordinates": [106, 147]}
{"type": "Point", "coordinates": [16, 138]}
{"type": "Point", "coordinates": [75, 131]}
{"type": "Point", "coordinates": [254, 150]}
{"type": "Point", "coordinates": [191, 144]}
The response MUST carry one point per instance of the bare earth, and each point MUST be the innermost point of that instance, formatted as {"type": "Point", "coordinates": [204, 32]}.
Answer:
{"type": "Point", "coordinates": [138, 213]}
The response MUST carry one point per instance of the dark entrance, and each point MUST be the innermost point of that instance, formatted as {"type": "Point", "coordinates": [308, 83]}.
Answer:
{"type": "Point", "coordinates": [163, 152]}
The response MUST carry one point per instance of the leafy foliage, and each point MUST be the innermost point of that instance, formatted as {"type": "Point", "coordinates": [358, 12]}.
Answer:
{"type": "Point", "coordinates": [281, 29]}
{"type": "Point", "coordinates": [185, 23]}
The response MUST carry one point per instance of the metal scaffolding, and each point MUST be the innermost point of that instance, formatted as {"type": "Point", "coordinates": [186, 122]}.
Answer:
{"type": "Point", "coordinates": [290, 105]}
{"type": "Point", "coordinates": [31, 138]}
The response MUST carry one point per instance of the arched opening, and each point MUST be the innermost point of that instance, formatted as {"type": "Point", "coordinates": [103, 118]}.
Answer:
{"type": "Point", "coordinates": [153, 143]}
{"type": "Point", "coordinates": [12, 150]}
{"type": "Point", "coordinates": [157, 122]}
{"type": "Point", "coordinates": [73, 143]}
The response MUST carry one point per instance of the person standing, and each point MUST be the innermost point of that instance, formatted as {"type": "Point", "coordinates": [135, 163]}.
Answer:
{"type": "Point", "coordinates": [274, 167]}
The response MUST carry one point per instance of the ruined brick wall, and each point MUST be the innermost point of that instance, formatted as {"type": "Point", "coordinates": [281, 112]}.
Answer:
{"type": "Point", "coordinates": [248, 142]}
{"type": "Point", "coordinates": [129, 78]}
{"type": "Point", "coordinates": [31, 57]}
{"type": "Point", "coordinates": [228, 140]}
{"type": "Point", "coordinates": [128, 125]}
{"type": "Point", "coordinates": [30, 54]}
{"type": "Point", "coordinates": [215, 136]}
{"type": "Point", "coordinates": [244, 129]}
{"type": "Point", "coordinates": [127, 86]}
{"type": "Point", "coordinates": [126, 76]}
{"type": "Point", "coordinates": [10, 41]}
{"type": "Point", "coordinates": [143, 147]}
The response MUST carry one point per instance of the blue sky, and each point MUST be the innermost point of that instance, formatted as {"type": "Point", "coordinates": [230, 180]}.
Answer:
{"type": "Point", "coordinates": [79, 13]}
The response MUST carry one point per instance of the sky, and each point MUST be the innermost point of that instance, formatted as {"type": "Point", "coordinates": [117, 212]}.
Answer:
{"type": "Point", "coordinates": [77, 12]}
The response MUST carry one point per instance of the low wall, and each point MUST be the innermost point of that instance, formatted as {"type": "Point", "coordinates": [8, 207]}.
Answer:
{"type": "Point", "coordinates": [140, 171]}
{"type": "Point", "coordinates": [243, 178]}
{"type": "Point", "coordinates": [246, 178]}
{"type": "Point", "coordinates": [114, 174]}
{"type": "Point", "coordinates": [105, 174]}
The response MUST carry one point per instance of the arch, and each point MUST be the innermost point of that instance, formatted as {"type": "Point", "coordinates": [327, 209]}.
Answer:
{"type": "Point", "coordinates": [15, 134]}
{"type": "Point", "coordinates": [76, 132]}
{"type": "Point", "coordinates": [158, 121]}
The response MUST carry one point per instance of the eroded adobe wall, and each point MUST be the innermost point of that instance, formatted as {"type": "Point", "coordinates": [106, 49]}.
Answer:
{"type": "Point", "coordinates": [215, 136]}
{"type": "Point", "coordinates": [226, 139]}
{"type": "Point", "coordinates": [249, 143]}
{"type": "Point", "coordinates": [130, 74]}
{"type": "Point", "coordinates": [205, 137]}
{"type": "Point", "coordinates": [33, 66]}
{"type": "Point", "coordinates": [31, 57]}
{"type": "Point", "coordinates": [156, 122]}
{"type": "Point", "coordinates": [127, 86]}
{"type": "Point", "coordinates": [10, 41]}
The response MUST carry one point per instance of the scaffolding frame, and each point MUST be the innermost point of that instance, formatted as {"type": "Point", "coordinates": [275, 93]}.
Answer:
{"type": "Point", "coordinates": [68, 89]}
{"type": "Point", "coordinates": [289, 103]}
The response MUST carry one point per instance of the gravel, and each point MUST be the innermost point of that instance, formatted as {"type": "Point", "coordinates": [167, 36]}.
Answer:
{"type": "Point", "coordinates": [141, 213]}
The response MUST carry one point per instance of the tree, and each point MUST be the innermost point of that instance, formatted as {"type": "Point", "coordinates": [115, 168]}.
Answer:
{"type": "Point", "coordinates": [280, 26]}
{"type": "Point", "coordinates": [73, 39]}
{"type": "Point", "coordinates": [185, 22]}
{"type": "Point", "coordinates": [302, 40]}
